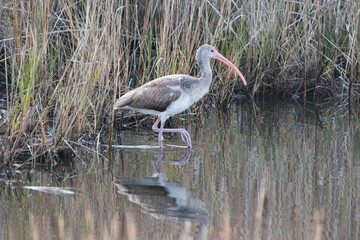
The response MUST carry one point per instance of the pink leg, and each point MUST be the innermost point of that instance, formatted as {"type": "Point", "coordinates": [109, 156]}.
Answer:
{"type": "Point", "coordinates": [185, 136]}
{"type": "Point", "coordinates": [155, 128]}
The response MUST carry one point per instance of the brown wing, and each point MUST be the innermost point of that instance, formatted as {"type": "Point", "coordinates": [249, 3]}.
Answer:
{"type": "Point", "coordinates": [156, 98]}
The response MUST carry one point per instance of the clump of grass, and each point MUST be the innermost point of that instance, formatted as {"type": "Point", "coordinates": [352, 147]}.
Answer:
{"type": "Point", "coordinates": [63, 64]}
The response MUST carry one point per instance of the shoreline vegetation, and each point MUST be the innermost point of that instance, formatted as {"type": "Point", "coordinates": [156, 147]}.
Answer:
{"type": "Point", "coordinates": [64, 63]}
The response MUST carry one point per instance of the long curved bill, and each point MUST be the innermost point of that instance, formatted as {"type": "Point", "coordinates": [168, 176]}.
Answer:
{"type": "Point", "coordinates": [223, 59]}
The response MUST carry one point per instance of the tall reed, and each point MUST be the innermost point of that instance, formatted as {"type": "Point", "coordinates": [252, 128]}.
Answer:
{"type": "Point", "coordinates": [64, 63]}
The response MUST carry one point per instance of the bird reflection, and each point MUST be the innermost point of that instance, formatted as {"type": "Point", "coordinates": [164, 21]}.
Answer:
{"type": "Point", "coordinates": [162, 198]}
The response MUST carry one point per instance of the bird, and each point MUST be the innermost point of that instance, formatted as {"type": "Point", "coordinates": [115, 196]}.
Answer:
{"type": "Point", "coordinates": [170, 95]}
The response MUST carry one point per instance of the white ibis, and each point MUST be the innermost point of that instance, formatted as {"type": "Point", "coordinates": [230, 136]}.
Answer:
{"type": "Point", "coordinates": [173, 94]}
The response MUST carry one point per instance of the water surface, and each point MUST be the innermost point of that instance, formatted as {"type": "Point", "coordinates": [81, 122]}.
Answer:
{"type": "Point", "coordinates": [265, 170]}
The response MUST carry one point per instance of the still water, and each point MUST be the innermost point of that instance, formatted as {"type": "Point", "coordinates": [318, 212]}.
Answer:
{"type": "Point", "coordinates": [264, 170]}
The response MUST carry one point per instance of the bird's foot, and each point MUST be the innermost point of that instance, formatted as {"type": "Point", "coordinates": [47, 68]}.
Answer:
{"type": "Point", "coordinates": [185, 136]}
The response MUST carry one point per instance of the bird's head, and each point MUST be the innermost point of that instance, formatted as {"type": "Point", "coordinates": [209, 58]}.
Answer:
{"type": "Point", "coordinates": [207, 51]}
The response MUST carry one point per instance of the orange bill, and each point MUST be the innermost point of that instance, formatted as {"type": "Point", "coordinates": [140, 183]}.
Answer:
{"type": "Point", "coordinates": [223, 59]}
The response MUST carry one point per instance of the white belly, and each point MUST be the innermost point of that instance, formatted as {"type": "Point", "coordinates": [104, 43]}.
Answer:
{"type": "Point", "coordinates": [180, 105]}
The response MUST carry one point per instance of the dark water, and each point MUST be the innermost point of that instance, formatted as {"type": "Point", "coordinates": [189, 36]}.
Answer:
{"type": "Point", "coordinates": [270, 170]}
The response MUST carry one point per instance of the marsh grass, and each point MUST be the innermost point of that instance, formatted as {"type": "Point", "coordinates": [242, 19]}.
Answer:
{"type": "Point", "coordinates": [64, 63]}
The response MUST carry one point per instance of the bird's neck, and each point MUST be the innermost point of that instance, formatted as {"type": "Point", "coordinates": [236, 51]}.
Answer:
{"type": "Point", "coordinates": [206, 73]}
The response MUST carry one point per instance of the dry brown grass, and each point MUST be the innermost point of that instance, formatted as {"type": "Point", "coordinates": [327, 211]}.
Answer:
{"type": "Point", "coordinates": [64, 63]}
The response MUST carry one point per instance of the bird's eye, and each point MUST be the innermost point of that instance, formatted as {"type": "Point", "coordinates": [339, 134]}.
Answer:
{"type": "Point", "coordinates": [212, 50]}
